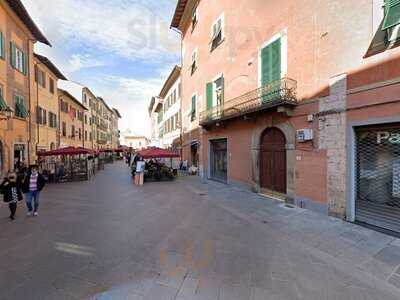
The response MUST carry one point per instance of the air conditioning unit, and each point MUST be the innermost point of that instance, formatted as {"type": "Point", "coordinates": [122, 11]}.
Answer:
{"type": "Point", "coordinates": [304, 135]}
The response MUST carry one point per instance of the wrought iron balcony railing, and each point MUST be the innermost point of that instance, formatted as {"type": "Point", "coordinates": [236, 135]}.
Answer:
{"type": "Point", "coordinates": [277, 93]}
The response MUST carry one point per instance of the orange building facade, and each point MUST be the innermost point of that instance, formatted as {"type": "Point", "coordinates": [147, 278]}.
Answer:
{"type": "Point", "coordinates": [300, 104]}
{"type": "Point", "coordinates": [18, 34]}
{"type": "Point", "coordinates": [71, 120]}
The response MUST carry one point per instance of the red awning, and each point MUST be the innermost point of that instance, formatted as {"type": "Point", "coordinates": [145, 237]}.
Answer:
{"type": "Point", "coordinates": [157, 153]}
{"type": "Point", "coordinates": [66, 151]}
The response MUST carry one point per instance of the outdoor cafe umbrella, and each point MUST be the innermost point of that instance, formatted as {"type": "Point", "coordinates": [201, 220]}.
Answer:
{"type": "Point", "coordinates": [157, 153]}
{"type": "Point", "coordinates": [67, 151]}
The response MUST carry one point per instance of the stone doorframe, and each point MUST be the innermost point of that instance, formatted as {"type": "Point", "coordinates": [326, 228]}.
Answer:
{"type": "Point", "coordinates": [290, 135]}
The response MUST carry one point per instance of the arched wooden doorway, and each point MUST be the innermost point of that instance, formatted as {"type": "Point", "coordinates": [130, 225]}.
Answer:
{"type": "Point", "coordinates": [273, 160]}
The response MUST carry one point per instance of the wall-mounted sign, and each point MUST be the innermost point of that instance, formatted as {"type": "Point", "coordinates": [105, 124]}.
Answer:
{"type": "Point", "coordinates": [388, 137]}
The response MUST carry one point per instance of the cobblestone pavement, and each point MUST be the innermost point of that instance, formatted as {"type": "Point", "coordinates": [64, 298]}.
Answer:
{"type": "Point", "coordinates": [187, 240]}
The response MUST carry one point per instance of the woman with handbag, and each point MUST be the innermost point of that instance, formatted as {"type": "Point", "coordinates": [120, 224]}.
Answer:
{"type": "Point", "coordinates": [12, 192]}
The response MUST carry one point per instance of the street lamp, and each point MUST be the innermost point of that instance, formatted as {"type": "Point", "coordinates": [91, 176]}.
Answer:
{"type": "Point", "coordinates": [6, 114]}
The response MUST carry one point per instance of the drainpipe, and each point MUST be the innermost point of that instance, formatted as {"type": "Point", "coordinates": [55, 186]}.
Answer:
{"type": "Point", "coordinates": [59, 122]}
{"type": "Point", "coordinates": [37, 106]}
{"type": "Point", "coordinates": [29, 100]}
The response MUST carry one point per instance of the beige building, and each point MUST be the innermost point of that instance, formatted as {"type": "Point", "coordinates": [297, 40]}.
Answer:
{"type": "Point", "coordinates": [101, 124]}
{"type": "Point", "coordinates": [137, 142]}
{"type": "Point", "coordinates": [45, 99]}
{"type": "Point", "coordinates": [89, 100]}
{"type": "Point", "coordinates": [71, 120]}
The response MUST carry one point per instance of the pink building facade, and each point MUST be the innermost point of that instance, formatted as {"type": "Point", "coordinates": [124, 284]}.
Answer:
{"type": "Point", "coordinates": [297, 100]}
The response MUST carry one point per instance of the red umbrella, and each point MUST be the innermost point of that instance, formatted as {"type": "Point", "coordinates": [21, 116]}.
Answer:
{"type": "Point", "coordinates": [66, 151]}
{"type": "Point", "coordinates": [157, 153]}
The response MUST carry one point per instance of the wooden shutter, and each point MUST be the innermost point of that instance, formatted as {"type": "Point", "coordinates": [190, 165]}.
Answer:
{"type": "Point", "coordinates": [13, 55]}
{"type": "Point", "coordinates": [209, 94]}
{"type": "Point", "coordinates": [392, 14]}
{"type": "Point", "coordinates": [2, 52]}
{"type": "Point", "coordinates": [271, 62]}
{"type": "Point", "coordinates": [24, 64]}
{"type": "Point", "coordinates": [193, 114]}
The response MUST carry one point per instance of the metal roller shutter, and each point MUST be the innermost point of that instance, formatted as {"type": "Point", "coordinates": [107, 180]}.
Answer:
{"type": "Point", "coordinates": [378, 176]}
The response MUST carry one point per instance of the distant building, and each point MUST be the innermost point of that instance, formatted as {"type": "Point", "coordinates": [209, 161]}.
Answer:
{"type": "Point", "coordinates": [137, 142]}
{"type": "Point", "coordinates": [165, 113]}
{"type": "Point", "coordinates": [71, 120]}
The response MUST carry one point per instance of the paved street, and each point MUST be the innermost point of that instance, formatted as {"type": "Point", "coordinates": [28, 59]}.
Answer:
{"type": "Point", "coordinates": [187, 240]}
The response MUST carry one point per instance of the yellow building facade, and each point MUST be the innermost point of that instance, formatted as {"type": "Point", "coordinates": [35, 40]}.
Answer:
{"type": "Point", "coordinates": [46, 105]}
{"type": "Point", "coordinates": [18, 34]}
{"type": "Point", "coordinates": [71, 120]}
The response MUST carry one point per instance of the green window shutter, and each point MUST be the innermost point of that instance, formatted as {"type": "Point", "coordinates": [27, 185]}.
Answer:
{"type": "Point", "coordinates": [392, 14]}
{"type": "Point", "coordinates": [271, 62]}
{"type": "Point", "coordinates": [3, 104]}
{"type": "Point", "coordinates": [275, 60]}
{"type": "Point", "coordinates": [13, 55]}
{"type": "Point", "coordinates": [2, 52]}
{"type": "Point", "coordinates": [193, 111]}
{"type": "Point", "coordinates": [24, 64]}
{"type": "Point", "coordinates": [209, 94]}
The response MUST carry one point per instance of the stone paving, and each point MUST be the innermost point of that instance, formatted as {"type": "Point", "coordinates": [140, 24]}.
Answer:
{"type": "Point", "coordinates": [187, 240]}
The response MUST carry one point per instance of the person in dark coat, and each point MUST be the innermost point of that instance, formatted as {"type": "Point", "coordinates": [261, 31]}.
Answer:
{"type": "Point", "coordinates": [12, 192]}
{"type": "Point", "coordinates": [33, 184]}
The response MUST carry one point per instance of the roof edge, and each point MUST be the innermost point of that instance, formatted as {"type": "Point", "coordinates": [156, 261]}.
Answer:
{"type": "Point", "coordinates": [173, 76]}
{"type": "Point", "coordinates": [66, 93]}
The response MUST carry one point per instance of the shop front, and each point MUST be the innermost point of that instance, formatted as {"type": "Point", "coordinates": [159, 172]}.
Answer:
{"type": "Point", "coordinates": [219, 160]}
{"type": "Point", "coordinates": [377, 176]}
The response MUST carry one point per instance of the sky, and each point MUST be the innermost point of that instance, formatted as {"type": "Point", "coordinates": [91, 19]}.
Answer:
{"type": "Point", "coordinates": [123, 50]}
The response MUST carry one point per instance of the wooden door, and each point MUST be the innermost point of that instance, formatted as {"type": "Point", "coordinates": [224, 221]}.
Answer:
{"type": "Point", "coordinates": [273, 160]}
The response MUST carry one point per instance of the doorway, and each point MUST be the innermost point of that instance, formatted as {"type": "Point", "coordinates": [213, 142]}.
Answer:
{"type": "Point", "coordinates": [19, 155]}
{"type": "Point", "coordinates": [273, 160]}
{"type": "Point", "coordinates": [219, 160]}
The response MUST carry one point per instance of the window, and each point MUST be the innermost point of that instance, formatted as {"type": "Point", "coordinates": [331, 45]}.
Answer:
{"type": "Point", "coordinates": [41, 116]}
{"type": "Point", "coordinates": [80, 115]}
{"type": "Point", "coordinates": [90, 136]}
{"type": "Point", "coordinates": [85, 135]}
{"type": "Point", "coordinates": [40, 77]}
{"type": "Point", "coordinates": [271, 62]}
{"type": "Point", "coordinates": [20, 109]}
{"type": "Point", "coordinates": [18, 59]}
{"type": "Point", "coordinates": [193, 109]}
{"type": "Point", "coordinates": [194, 17]}
{"type": "Point", "coordinates": [64, 129]}
{"type": "Point", "coordinates": [3, 104]}
{"type": "Point", "coordinates": [51, 84]}
{"type": "Point", "coordinates": [64, 106]}
{"type": "Point", "coordinates": [179, 90]}
{"type": "Point", "coordinates": [80, 134]}
{"type": "Point", "coordinates": [72, 131]}
{"type": "Point", "coordinates": [217, 33]}
{"type": "Point", "coordinates": [2, 46]}
{"type": "Point", "coordinates": [392, 14]}
{"type": "Point", "coordinates": [52, 120]}
{"type": "Point", "coordinates": [193, 66]}
{"type": "Point", "coordinates": [85, 119]}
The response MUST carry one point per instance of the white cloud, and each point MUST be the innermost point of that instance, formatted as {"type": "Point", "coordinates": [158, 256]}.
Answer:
{"type": "Point", "coordinates": [126, 28]}
{"type": "Point", "coordinates": [91, 33]}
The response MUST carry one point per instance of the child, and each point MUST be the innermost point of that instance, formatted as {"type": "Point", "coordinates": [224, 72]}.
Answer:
{"type": "Point", "coordinates": [11, 189]}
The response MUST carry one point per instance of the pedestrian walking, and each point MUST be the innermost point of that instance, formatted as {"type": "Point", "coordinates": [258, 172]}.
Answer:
{"type": "Point", "coordinates": [33, 184]}
{"type": "Point", "coordinates": [12, 192]}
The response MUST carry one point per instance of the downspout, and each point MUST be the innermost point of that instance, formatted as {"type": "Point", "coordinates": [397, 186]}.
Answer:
{"type": "Point", "coordinates": [181, 115]}
{"type": "Point", "coordinates": [29, 91]}
{"type": "Point", "coordinates": [59, 122]}
{"type": "Point", "coordinates": [37, 106]}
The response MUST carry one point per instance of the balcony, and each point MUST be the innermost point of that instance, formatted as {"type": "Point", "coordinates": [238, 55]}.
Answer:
{"type": "Point", "coordinates": [279, 93]}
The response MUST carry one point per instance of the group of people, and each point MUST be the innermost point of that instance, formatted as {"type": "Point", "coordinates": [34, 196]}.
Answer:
{"type": "Point", "coordinates": [29, 182]}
